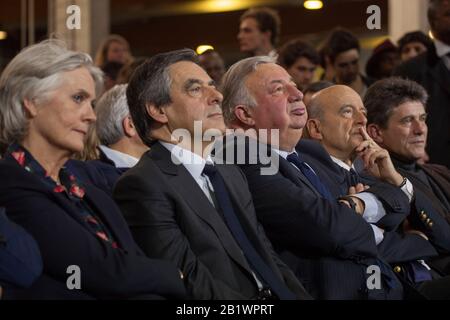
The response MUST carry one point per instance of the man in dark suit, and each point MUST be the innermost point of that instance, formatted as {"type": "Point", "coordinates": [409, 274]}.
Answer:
{"type": "Point", "coordinates": [396, 120]}
{"type": "Point", "coordinates": [327, 241]}
{"type": "Point", "coordinates": [432, 70]}
{"type": "Point", "coordinates": [181, 206]}
{"type": "Point", "coordinates": [121, 148]}
{"type": "Point", "coordinates": [337, 120]}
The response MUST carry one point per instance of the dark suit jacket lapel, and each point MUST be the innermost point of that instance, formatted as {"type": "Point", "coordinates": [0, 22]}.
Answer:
{"type": "Point", "coordinates": [329, 172]}
{"type": "Point", "coordinates": [187, 187]}
{"type": "Point", "coordinates": [288, 170]}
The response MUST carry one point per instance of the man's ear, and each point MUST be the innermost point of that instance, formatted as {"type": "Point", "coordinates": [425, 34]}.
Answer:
{"type": "Point", "coordinates": [128, 127]}
{"type": "Point", "coordinates": [244, 114]}
{"type": "Point", "coordinates": [314, 129]}
{"type": "Point", "coordinates": [375, 132]}
{"type": "Point", "coordinates": [30, 107]}
{"type": "Point", "coordinates": [156, 113]}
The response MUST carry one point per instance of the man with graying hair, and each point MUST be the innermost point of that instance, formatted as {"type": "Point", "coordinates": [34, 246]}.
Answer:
{"type": "Point", "coordinates": [397, 121]}
{"type": "Point", "coordinates": [182, 206]}
{"type": "Point", "coordinates": [324, 239]}
{"type": "Point", "coordinates": [337, 121]}
{"type": "Point", "coordinates": [121, 147]}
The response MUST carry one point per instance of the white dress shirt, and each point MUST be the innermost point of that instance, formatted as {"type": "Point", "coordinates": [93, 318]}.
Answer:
{"type": "Point", "coordinates": [377, 232]}
{"type": "Point", "coordinates": [195, 164]}
{"type": "Point", "coordinates": [120, 159]}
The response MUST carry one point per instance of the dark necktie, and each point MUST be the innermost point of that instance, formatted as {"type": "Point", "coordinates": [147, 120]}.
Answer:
{"type": "Point", "coordinates": [310, 175]}
{"type": "Point", "coordinates": [353, 177]}
{"type": "Point", "coordinates": [254, 259]}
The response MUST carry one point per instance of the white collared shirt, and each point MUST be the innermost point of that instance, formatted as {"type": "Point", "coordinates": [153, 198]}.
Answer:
{"type": "Point", "coordinates": [194, 164]}
{"type": "Point", "coordinates": [120, 159]}
{"type": "Point", "coordinates": [442, 49]}
{"type": "Point", "coordinates": [284, 154]}
{"type": "Point", "coordinates": [273, 54]}
{"type": "Point", "coordinates": [377, 232]}
{"type": "Point", "coordinates": [374, 209]}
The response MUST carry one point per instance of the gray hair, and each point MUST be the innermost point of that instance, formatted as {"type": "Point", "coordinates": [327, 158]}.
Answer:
{"type": "Point", "coordinates": [233, 86]}
{"type": "Point", "coordinates": [385, 95]}
{"type": "Point", "coordinates": [150, 84]}
{"type": "Point", "coordinates": [33, 74]}
{"type": "Point", "coordinates": [111, 109]}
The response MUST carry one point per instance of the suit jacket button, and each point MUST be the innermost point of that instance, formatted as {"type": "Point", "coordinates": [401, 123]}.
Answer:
{"type": "Point", "coordinates": [428, 221]}
{"type": "Point", "coordinates": [423, 216]}
{"type": "Point", "coordinates": [397, 269]}
{"type": "Point", "coordinates": [430, 224]}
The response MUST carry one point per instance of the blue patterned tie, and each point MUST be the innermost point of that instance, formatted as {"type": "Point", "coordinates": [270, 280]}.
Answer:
{"type": "Point", "coordinates": [353, 177]}
{"type": "Point", "coordinates": [253, 257]}
{"type": "Point", "coordinates": [310, 175]}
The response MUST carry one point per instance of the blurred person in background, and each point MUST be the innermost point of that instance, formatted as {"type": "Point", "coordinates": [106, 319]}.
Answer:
{"type": "Point", "coordinates": [114, 48]}
{"type": "Point", "coordinates": [259, 31]}
{"type": "Point", "coordinates": [300, 60]}
{"type": "Point", "coordinates": [412, 44]}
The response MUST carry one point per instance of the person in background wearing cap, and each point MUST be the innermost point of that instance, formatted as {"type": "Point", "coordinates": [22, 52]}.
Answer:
{"type": "Point", "coordinates": [383, 61]}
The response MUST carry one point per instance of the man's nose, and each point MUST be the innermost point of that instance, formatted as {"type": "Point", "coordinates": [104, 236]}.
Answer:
{"type": "Point", "coordinates": [293, 93]}
{"type": "Point", "coordinates": [361, 118]}
{"type": "Point", "coordinates": [215, 97]}
{"type": "Point", "coordinates": [419, 127]}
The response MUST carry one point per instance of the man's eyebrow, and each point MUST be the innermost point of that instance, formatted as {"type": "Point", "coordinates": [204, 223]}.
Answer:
{"type": "Point", "coordinates": [406, 117]}
{"type": "Point", "coordinates": [347, 105]}
{"type": "Point", "coordinates": [190, 82]}
{"type": "Point", "coordinates": [276, 81]}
